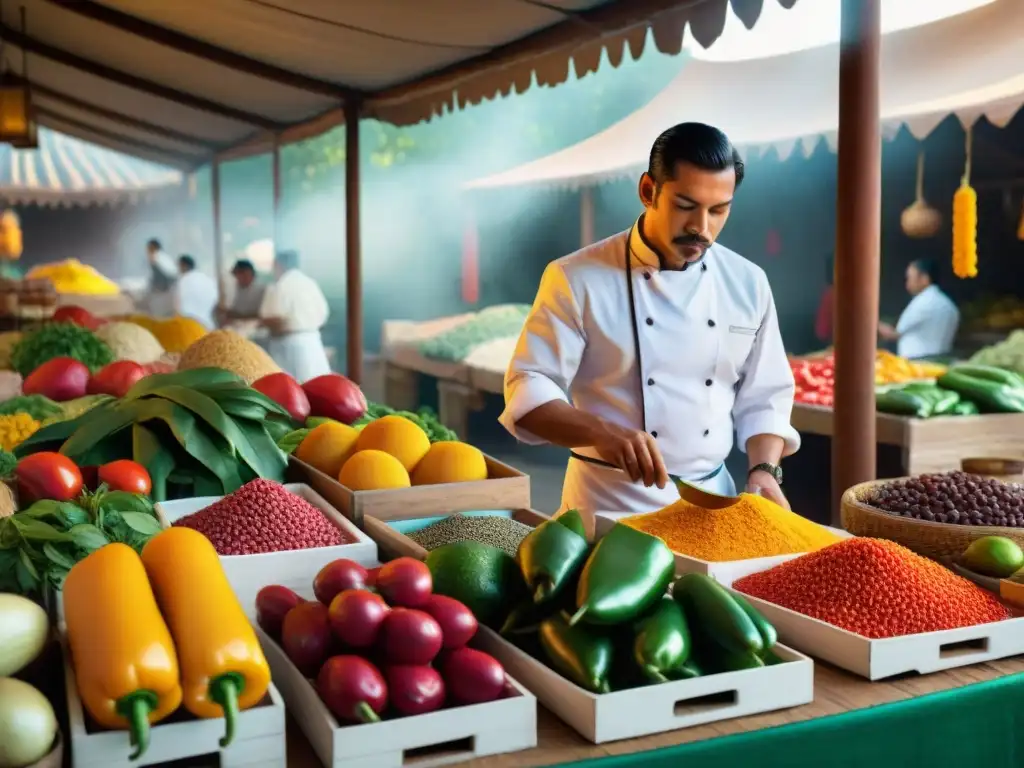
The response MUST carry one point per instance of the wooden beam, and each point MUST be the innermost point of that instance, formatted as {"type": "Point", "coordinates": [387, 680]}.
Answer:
{"type": "Point", "coordinates": [353, 248]}
{"type": "Point", "coordinates": [172, 158]}
{"type": "Point", "coordinates": [155, 33]}
{"type": "Point", "coordinates": [218, 235]}
{"type": "Point", "coordinates": [96, 69]}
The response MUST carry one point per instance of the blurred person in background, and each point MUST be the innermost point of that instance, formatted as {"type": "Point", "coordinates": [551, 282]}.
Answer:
{"type": "Point", "coordinates": [294, 309]}
{"type": "Point", "coordinates": [163, 275]}
{"type": "Point", "coordinates": [195, 294]}
{"type": "Point", "coordinates": [928, 325]}
{"type": "Point", "coordinates": [249, 293]}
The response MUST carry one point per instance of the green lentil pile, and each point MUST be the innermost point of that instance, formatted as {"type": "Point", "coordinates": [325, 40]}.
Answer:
{"type": "Point", "coordinates": [501, 532]}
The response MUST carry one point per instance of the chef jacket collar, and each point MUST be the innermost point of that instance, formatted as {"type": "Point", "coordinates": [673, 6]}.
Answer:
{"type": "Point", "coordinates": [646, 254]}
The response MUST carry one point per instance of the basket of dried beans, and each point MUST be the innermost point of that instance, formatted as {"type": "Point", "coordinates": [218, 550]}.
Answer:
{"type": "Point", "coordinates": [935, 515]}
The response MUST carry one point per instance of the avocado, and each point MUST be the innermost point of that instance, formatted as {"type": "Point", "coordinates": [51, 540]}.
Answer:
{"type": "Point", "coordinates": [995, 556]}
{"type": "Point", "coordinates": [484, 578]}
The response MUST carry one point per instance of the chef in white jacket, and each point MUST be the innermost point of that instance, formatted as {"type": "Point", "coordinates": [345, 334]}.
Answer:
{"type": "Point", "coordinates": [645, 352]}
{"type": "Point", "coordinates": [294, 309]}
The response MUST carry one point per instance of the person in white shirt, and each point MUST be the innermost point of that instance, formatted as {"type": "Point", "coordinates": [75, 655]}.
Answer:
{"type": "Point", "coordinates": [665, 341]}
{"type": "Point", "coordinates": [163, 274]}
{"type": "Point", "coordinates": [195, 294]}
{"type": "Point", "coordinates": [294, 309]}
{"type": "Point", "coordinates": [248, 292]}
{"type": "Point", "coordinates": [928, 325]}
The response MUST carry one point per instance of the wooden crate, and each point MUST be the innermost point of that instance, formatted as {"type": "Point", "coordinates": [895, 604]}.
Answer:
{"type": "Point", "coordinates": [505, 488]}
{"type": "Point", "coordinates": [259, 739]}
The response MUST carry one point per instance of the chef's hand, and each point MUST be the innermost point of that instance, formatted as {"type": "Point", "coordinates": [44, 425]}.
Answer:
{"type": "Point", "coordinates": [634, 452]}
{"type": "Point", "coordinates": [887, 332]}
{"type": "Point", "coordinates": [763, 483]}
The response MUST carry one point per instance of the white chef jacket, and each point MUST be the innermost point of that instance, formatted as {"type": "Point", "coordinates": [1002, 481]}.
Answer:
{"type": "Point", "coordinates": [300, 350]}
{"type": "Point", "coordinates": [711, 361]}
{"type": "Point", "coordinates": [928, 325]}
{"type": "Point", "coordinates": [196, 296]}
{"type": "Point", "coordinates": [161, 302]}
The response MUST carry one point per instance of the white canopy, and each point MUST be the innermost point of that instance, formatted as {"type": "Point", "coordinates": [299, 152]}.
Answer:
{"type": "Point", "coordinates": [971, 65]}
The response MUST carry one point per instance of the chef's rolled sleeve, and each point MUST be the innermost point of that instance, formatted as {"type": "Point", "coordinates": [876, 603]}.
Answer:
{"type": "Point", "coordinates": [547, 354]}
{"type": "Point", "coordinates": [764, 400]}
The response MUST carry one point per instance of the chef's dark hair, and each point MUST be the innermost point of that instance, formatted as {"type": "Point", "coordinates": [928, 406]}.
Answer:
{"type": "Point", "coordinates": [154, 245]}
{"type": "Point", "coordinates": [698, 144]}
{"type": "Point", "coordinates": [187, 262]}
{"type": "Point", "coordinates": [928, 268]}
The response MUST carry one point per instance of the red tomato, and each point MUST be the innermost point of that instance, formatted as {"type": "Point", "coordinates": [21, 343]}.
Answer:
{"type": "Point", "coordinates": [77, 316]}
{"type": "Point", "coordinates": [126, 475]}
{"type": "Point", "coordinates": [48, 475]}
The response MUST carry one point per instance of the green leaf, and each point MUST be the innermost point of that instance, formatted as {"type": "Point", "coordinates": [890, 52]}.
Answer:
{"type": "Point", "coordinates": [205, 484]}
{"type": "Point", "coordinates": [27, 562]}
{"type": "Point", "coordinates": [142, 523]}
{"type": "Point", "coordinates": [101, 422]}
{"type": "Point", "coordinates": [37, 530]}
{"type": "Point", "coordinates": [57, 557]}
{"type": "Point", "coordinates": [49, 437]}
{"type": "Point", "coordinates": [237, 396]}
{"type": "Point", "coordinates": [197, 378]}
{"type": "Point", "coordinates": [8, 559]}
{"type": "Point", "coordinates": [292, 440]}
{"type": "Point", "coordinates": [26, 574]}
{"type": "Point", "coordinates": [154, 456]}
{"type": "Point", "coordinates": [88, 537]}
{"type": "Point", "coordinates": [277, 427]}
{"type": "Point", "coordinates": [273, 460]}
{"type": "Point", "coordinates": [123, 501]}
{"type": "Point", "coordinates": [55, 510]}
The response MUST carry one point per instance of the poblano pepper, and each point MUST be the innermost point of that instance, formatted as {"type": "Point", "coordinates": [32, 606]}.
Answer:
{"type": "Point", "coordinates": [662, 643]}
{"type": "Point", "coordinates": [548, 557]}
{"type": "Point", "coordinates": [582, 654]}
{"type": "Point", "coordinates": [573, 520]}
{"type": "Point", "coordinates": [627, 573]}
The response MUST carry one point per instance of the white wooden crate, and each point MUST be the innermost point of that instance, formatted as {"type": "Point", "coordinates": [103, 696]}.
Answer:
{"type": "Point", "coordinates": [878, 659]}
{"type": "Point", "coordinates": [259, 736]}
{"type": "Point", "coordinates": [662, 707]}
{"type": "Point", "coordinates": [438, 738]}
{"type": "Point", "coordinates": [295, 568]}
{"type": "Point", "coordinates": [726, 571]}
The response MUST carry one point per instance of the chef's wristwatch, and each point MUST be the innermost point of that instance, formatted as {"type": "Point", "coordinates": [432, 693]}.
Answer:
{"type": "Point", "coordinates": [772, 469]}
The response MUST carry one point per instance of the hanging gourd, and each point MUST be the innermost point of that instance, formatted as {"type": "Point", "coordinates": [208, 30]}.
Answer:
{"type": "Point", "coordinates": [1020, 225]}
{"type": "Point", "coordinates": [919, 220]}
{"type": "Point", "coordinates": [965, 223]}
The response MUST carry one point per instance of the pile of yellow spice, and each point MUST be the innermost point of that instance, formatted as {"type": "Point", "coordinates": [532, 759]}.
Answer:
{"type": "Point", "coordinates": [72, 276]}
{"type": "Point", "coordinates": [752, 527]}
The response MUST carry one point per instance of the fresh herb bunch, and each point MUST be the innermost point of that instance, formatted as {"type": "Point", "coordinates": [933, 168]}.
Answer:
{"type": "Point", "coordinates": [38, 407]}
{"type": "Point", "coordinates": [39, 545]}
{"type": "Point", "coordinates": [60, 340]}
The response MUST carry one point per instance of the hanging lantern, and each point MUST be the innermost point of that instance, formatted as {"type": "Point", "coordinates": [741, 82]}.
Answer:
{"type": "Point", "coordinates": [16, 124]}
{"type": "Point", "coordinates": [920, 220]}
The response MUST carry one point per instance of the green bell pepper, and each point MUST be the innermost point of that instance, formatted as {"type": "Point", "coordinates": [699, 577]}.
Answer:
{"type": "Point", "coordinates": [581, 654]}
{"type": "Point", "coordinates": [548, 557]}
{"type": "Point", "coordinates": [662, 643]}
{"type": "Point", "coordinates": [627, 573]}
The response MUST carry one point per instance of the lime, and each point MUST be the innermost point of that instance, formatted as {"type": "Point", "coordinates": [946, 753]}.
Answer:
{"type": "Point", "coordinates": [995, 556]}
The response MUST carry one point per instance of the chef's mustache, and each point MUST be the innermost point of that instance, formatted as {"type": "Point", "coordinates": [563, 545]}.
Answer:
{"type": "Point", "coordinates": [696, 240]}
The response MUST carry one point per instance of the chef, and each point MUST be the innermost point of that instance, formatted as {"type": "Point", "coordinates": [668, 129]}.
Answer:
{"type": "Point", "coordinates": [294, 310]}
{"type": "Point", "coordinates": [643, 353]}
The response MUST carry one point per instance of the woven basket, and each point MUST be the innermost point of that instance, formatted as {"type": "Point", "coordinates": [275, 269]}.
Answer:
{"type": "Point", "coordinates": [934, 540]}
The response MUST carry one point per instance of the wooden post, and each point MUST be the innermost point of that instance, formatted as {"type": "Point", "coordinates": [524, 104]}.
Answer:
{"type": "Point", "coordinates": [276, 166]}
{"type": "Point", "coordinates": [353, 255]}
{"type": "Point", "coordinates": [218, 237]}
{"type": "Point", "coordinates": [858, 236]}
{"type": "Point", "coordinates": [586, 216]}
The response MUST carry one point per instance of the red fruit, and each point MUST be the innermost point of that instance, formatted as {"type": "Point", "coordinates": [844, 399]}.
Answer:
{"type": "Point", "coordinates": [337, 576]}
{"type": "Point", "coordinates": [406, 582]}
{"type": "Point", "coordinates": [353, 689]}
{"type": "Point", "coordinates": [458, 624]}
{"type": "Point", "coordinates": [414, 690]}
{"type": "Point", "coordinates": [306, 636]}
{"type": "Point", "coordinates": [286, 392]}
{"type": "Point", "coordinates": [116, 379]}
{"type": "Point", "coordinates": [272, 604]}
{"type": "Point", "coordinates": [125, 475]}
{"type": "Point", "coordinates": [408, 636]}
{"type": "Point", "coordinates": [472, 676]}
{"type": "Point", "coordinates": [356, 617]}
{"type": "Point", "coordinates": [47, 475]}
{"type": "Point", "coordinates": [60, 379]}
{"type": "Point", "coordinates": [334, 396]}
{"type": "Point", "coordinates": [77, 316]}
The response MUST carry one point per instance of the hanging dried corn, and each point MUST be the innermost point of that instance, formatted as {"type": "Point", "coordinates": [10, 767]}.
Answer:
{"type": "Point", "coordinates": [965, 223]}
{"type": "Point", "coordinates": [1020, 225]}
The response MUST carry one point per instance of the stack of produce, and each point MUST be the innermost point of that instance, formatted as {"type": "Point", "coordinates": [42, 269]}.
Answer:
{"type": "Point", "coordinates": [600, 616]}
{"type": "Point", "coordinates": [1007, 354]}
{"type": "Point", "coordinates": [921, 400]}
{"type": "Point", "coordinates": [144, 640]}
{"type": "Point", "coordinates": [262, 516]}
{"type": "Point", "coordinates": [398, 651]}
{"type": "Point", "coordinates": [951, 497]}
{"type": "Point", "coordinates": [993, 390]}
{"type": "Point", "coordinates": [230, 352]}
{"type": "Point", "coordinates": [201, 433]}
{"type": "Point", "coordinates": [175, 334]}
{"type": "Point", "coordinates": [71, 276]}
{"type": "Point", "coordinates": [28, 724]}
{"type": "Point", "coordinates": [875, 588]}
{"type": "Point", "coordinates": [501, 532]}
{"type": "Point", "coordinates": [815, 377]}
{"type": "Point", "coordinates": [129, 341]}
{"type": "Point", "coordinates": [752, 527]}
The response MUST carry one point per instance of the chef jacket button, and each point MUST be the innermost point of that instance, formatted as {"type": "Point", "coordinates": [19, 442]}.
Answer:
{"type": "Point", "coordinates": [650, 321]}
{"type": "Point", "coordinates": [647, 275]}
{"type": "Point", "coordinates": [707, 432]}
{"type": "Point", "coordinates": [703, 267]}
{"type": "Point", "coordinates": [650, 382]}
{"type": "Point", "coordinates": [711, 323]}
{"type": "Point", "coordinates": [707, 382]}
{"type": "Point", "coordinates": [654, 433]}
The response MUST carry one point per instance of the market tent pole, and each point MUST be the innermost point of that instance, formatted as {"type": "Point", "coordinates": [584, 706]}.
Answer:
{"type": "Point", "coordinates": [586, 215]}
{"type": "Point", "coordinates": [218, 237]}
{"type": "Point", "coordinates": [353, 254]}
{"type": "Point", "coordinates": [276, 166]}
{"type": "Point", "coordinates": [858, 245]}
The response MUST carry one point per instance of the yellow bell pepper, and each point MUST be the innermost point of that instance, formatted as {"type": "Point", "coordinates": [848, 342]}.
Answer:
{"type": "Point", "coordinates": [125, 664]}
{"type": "Point", "coordinates": [223, 668]}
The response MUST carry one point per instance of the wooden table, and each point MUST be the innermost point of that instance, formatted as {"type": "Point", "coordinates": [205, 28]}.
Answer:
{"type": "Point", "coordinates": [835, 692]}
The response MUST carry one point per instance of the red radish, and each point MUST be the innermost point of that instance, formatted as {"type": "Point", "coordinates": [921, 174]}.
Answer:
{"type": "Point", "coordinates": [458, 624]}
{"type": "Point", "coordinates": [306, 636]}
{"type": "Point", "coordinates": [472, 676]}
{"type": "Point", "coordinates": [353, 689]}
{"type": "Point", "coordinates": [334, 396]}
{"type": "Point", "coordinates": [60, 379]}
{"type": "Point", "coordinates": [356, 617]}
{"type": "Point", "coordinates": [272, 604]}
{"type": "Point", "coordinates": [414, 690]}
{"type": "Point", "coordinates": [371, 577]}
{"type": "Point", "coordinates": [408, 636]}
{"type": "Point", "coordinates": [405, 582]}
{"type": "Point", "coordinates": [337, 576]}
{"type": "Point", "coordinates": [47, 475]}
{"type": "Point", "coordinates": [286, 392]}
{"type": "Point", "coordinates": [115, 379]}
{"type": "Point", "coordinates": [77, 316]}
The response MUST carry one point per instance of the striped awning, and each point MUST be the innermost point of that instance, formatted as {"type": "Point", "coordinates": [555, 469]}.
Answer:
{"type": "Point", "coordinates": [65, 171]}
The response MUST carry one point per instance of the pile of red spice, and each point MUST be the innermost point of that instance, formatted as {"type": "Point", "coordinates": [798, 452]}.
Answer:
{"type": "Point", "coordinates": [262, 516]}
{"type": "Point", "coordinates": [875, 588]}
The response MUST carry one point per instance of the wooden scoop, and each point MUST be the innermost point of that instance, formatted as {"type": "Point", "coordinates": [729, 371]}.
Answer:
{"type": "Point", "coordinates": [697, 496]}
